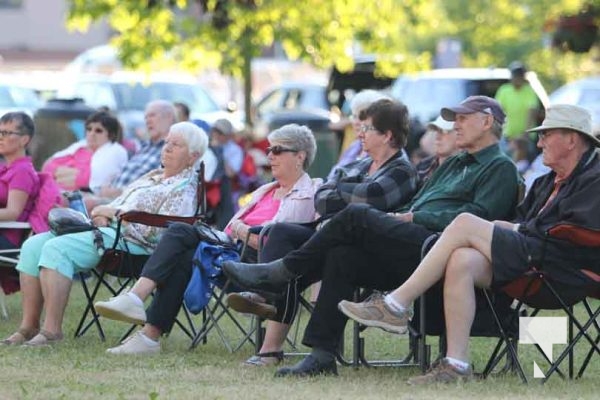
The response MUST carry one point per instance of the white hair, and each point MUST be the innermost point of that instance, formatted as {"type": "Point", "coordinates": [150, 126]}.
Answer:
{"type": "Point", "coordinates": [194, 136]}
{"type": "Point", "coordinates": [363, 99]}
{"type": "Point", "coordinates": [296, 137]}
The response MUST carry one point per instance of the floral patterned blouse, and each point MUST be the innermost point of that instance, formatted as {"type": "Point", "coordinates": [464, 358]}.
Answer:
{"type": "Point", "coordinates": [153, 193]}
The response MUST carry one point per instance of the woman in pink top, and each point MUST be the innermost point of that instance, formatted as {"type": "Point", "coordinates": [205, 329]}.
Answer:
{"type": "Point", "coordinates": [289, 198]}
{"type": "Point", "coordinates": [19, 185]}
{"type": "Point", "coordinates": [91, 162]}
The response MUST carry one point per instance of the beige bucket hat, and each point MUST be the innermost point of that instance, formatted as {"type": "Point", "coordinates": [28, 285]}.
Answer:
{"type": "Point", "coordinates": [567, 116]}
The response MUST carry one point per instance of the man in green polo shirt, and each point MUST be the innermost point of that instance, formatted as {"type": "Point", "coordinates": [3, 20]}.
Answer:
{"type": "Point", "coordinates": [519, 101]}
{"type": "Point", "coordinates": [364, 247]}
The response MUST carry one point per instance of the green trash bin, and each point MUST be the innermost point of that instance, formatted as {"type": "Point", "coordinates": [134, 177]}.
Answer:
{"type": "Point", "coordinates": [328, 142]}
{"type": "Point", "coordinates": [58, 124]}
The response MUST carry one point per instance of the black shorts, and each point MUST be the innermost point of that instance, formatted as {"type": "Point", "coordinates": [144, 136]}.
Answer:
{"type": "Point", "coordinates": [513, 252]}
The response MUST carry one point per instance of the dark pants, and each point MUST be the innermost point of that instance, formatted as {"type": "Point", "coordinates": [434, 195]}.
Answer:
{"type": "Point", "coordinates": [170, 266]}
{"type": "Point", "coordinates": [362, 247]}
{"type": "Point", "coordinates": [283, 238]}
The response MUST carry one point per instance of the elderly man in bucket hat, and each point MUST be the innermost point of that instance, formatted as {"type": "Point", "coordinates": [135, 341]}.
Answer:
{"type": "Point", "coordinates": [362, 246]}
{"type": "Point", "coordinates": [473, 252]}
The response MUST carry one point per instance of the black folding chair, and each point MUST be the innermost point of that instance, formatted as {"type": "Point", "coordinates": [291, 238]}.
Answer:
{"type": "Point", "coordinates": [118, 268]}
{"type": "Point", "coordinates": [539, 290]}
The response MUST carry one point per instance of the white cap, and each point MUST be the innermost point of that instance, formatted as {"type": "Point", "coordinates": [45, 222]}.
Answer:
{"type": "Point", "coordinates": [442, 124]}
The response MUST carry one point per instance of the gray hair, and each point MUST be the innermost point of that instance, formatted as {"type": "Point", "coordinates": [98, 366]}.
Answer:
{"type": "Point", "coordinates": [298, 138]}
{"type": "Point", "coordinates": [164, 108]}
{"type": "Point", "coordinates": [363, 99]}
{"type": "Point", "coordinates": [496, 129]}
{"type": "Point", "coordinates": [24, 122]}
{"type": "Point", "coordinates": [194, 136]}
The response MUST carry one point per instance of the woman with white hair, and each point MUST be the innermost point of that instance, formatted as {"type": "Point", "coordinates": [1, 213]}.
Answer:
{"type": "Point", "coordinates": [48, 262]}
{"type": "Point", "coordinates": [289, 198]}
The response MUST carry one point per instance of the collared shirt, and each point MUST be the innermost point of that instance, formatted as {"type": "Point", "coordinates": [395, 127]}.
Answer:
{"type": "Point", "coordinates": [387, 189]}
{"type": "Point", "coordinates": [144, 161]}
{"type": "Point", "coordinates": [484, 183]}
{"type": "Point", "coordinates": [155, 194]}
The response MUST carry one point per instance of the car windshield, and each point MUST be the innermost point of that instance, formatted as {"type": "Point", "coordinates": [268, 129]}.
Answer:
{"type": "Point", "coordinates": [15, 97]}
{"type": "Point", "coordinates": [136, 96]}
{"type": "Point", "coordinates": [425, 97]}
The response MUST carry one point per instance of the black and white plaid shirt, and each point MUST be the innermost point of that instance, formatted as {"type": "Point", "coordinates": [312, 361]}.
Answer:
{"type": "Point", "coordinates": [390, 187]}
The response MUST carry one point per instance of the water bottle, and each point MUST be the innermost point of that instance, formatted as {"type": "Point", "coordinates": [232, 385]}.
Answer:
{"type": "Point", "coordinates": [76, 202]}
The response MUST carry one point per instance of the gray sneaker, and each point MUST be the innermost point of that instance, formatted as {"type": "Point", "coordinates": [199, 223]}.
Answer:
{"type": "Point", "coordinates": [374, 312]}
{"type": "Point", "coordinates": [443, 372]}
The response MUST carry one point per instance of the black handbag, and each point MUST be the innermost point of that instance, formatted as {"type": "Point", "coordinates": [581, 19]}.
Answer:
{"type": "Point", "coordinates": [208, 234]}
{"type": "Point", "coordinates": [63, 221]}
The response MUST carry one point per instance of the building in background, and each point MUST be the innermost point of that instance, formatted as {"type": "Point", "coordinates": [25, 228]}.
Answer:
{"type": "Point", "coordinates": [34, 35]}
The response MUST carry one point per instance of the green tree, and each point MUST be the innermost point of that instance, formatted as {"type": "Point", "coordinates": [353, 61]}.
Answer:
{"type": "Point", "coordinates": [227, 34]}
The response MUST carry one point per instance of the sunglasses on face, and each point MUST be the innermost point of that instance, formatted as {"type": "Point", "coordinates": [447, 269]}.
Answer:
{"type": "Point", "coordinates": [277, 150]}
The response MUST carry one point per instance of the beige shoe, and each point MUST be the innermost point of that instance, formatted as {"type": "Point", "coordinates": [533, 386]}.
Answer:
{"type": "Point", "coordinates": [251, 303]}
{"type": "Point", "coordinates": [443, 372]}
{"type": "Point", "coordinates": [44, 338]}
{"type": "Point", "coordinates": [122, 308]}
{"type": "Point", "coordinates": [374, 312]}
{"type": "Point", "coordinates": [138, 343]}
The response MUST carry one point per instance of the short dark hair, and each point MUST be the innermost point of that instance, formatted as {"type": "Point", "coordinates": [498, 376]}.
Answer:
{"type": "Point", "coordinates": [109, 122]}
{"type": "Point", "coordinates": [185, 110]}
{"type": "Point", "coordinates": [24, 122]}
{"type": "Point", "coordinates": [390, 115]}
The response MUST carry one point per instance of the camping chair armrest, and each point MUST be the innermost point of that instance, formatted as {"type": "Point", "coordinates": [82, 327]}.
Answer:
{"type": "Point", "coordinates": [14, 225]}
{"type": "Point", "coordinates": [577, 235]}
{"type": "Point", "coordinates": [160, 220]}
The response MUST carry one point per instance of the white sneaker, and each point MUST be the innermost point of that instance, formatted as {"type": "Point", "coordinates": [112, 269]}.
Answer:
{"type": "Point", "coordinates": [122, 308]}
{"type": "Point", "coordinates": [138, 343]}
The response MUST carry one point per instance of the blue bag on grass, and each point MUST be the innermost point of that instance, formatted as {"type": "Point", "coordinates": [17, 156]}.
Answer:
{"type": "Point", "coordinates": [206, 273]}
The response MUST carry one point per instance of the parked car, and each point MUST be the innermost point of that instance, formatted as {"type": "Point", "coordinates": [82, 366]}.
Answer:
{"type": "Point", "coordinates": [17, 97]}
{"type": "Point", "coordinates": [583, 92]}
{"type": "Point", "coordinates": [425, 93]}
{"type": "Point", "coordinates": [127, 93]}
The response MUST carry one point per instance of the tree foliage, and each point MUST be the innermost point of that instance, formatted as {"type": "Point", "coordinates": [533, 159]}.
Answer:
{"type": "Point", "coordinates": [227, 34]}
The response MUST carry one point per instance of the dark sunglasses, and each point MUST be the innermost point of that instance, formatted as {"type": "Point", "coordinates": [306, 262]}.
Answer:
{"type": "Point", "coordinates": [277, 150]}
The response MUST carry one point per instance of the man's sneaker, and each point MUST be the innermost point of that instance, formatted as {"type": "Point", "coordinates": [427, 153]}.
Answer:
{"type": "Point", "coordinates": [251, 303]}
{"type": "Point", "coordinates": [122, 308]}
{"type": "Point", "coordinates": [374, 312]}
{"type": "Point", "coordinates": [443, 372]}
{"type": "Point", "coordinates": [138, 343]}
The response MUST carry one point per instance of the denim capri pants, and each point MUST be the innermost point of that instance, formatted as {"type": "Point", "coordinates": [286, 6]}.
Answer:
{"type": "Point", "coordinates": [67, 254]}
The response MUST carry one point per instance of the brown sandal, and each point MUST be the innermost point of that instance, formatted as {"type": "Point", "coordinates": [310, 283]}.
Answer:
{"type": "Point", "coordinates": [44, 338]}
{"type": "Point", "coordinates": [19, 337]}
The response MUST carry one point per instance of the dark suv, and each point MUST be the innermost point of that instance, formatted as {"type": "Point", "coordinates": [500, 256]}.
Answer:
{"type": "Point", "coordinates": [425, 93]}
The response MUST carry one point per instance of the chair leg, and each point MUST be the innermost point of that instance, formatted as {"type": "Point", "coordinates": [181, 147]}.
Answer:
{"type": "Point", "coordinates": [504, 339]}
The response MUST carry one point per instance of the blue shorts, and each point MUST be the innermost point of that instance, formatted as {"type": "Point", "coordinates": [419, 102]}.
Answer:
{"type": "Point", "coordinates": [67, 254]}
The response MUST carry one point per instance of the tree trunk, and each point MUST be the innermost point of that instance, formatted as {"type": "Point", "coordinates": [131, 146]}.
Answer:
{"type": "Point", "coordinates": [247, 77]}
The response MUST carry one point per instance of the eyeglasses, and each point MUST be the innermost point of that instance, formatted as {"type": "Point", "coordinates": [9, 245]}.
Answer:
{"type": "Point", "coordinates": [542, 135]}
{"type": "Point", "coordinates": [6, 133]}
{"type": "Point", "coordinates": [277, 150]}
{"type": "Point", "coordinates": [366, 128]}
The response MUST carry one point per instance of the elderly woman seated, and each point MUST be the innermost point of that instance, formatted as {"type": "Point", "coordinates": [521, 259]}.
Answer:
{"type": "Point", "coordinates": [289, 198]}
{"type": "Point", "coordinates": [19, 184]}
{"type": "Point", "coordinates": [48, 262]}
{"type": "Point", "coordinates": [91, 162]}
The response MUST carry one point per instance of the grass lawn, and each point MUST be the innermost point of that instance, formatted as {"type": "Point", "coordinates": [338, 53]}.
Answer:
{"type": "Point", "coordinates": [79, 368]}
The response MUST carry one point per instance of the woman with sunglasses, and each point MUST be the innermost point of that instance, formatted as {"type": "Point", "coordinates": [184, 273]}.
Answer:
{"type": "Point", "coordinates": [93, 161]}
{"type": "Point", "coordinates": [289, 198]}
{"type": "Point", "coordinates": [19, 185]}
{"type": "Point", "coordinates": [385, 179]}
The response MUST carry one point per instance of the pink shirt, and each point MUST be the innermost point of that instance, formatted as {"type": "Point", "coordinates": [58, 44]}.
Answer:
{"type": "Point", "coordinates": [20, 175]}
{"type": "Point", "coordinates": [263, 211]}
{"type": "Point", "coordinates": [81, 160]}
